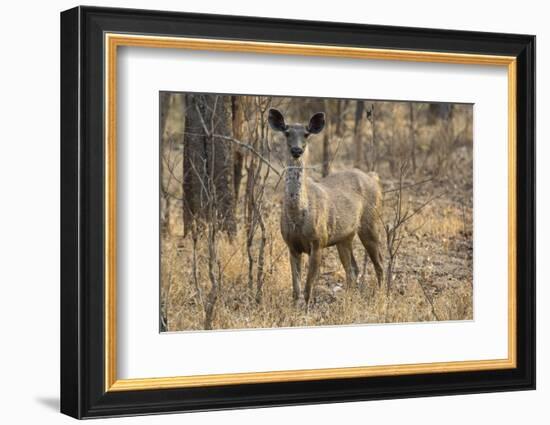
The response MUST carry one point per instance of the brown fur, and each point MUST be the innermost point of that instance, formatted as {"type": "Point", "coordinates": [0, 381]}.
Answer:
{"type": "Point", "coordinates": [317, 215]}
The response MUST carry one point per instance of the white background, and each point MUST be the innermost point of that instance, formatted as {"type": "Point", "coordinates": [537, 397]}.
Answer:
{"type": "Point", "coordinates": [29, 224]}
{"type": "Point", "coordinates": [141, 345]}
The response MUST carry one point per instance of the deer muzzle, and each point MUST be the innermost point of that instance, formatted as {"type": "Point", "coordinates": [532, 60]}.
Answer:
{"type": "Point", "coordinates": [296, 152]}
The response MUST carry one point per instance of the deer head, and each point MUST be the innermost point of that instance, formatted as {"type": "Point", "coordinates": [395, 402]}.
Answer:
{"type": "Point", "coordinates": [296, 134]}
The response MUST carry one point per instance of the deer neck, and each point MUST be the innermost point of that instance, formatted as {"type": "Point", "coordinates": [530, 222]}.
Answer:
{"type": "Point", "coordinates": [295, 186]}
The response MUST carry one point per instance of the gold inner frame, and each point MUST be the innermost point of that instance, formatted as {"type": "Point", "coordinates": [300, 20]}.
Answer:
{"type": "Point", "coordinates": [113, 41]}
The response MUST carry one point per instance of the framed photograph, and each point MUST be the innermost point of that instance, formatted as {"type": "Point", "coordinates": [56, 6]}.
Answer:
{"type": "Point", "coordinates": [261, 212]}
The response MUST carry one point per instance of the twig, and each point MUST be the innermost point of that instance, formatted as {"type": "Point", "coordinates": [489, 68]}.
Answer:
{"type": "Point", "coordinates": [430, 301]}
{"type": "Point", "coordinates": [251, 149]}
{"type": "Point", "coordinates": [409, 185]}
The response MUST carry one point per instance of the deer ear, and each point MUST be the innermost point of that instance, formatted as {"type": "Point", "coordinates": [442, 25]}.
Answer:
{"type": "Point", "coordinates": [276, 120]}
{"type": "Point", "coordinates": [316, 123]}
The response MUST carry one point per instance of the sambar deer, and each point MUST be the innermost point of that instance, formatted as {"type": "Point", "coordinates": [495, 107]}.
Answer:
{"type": "Point", "coordinates": [331, 211]}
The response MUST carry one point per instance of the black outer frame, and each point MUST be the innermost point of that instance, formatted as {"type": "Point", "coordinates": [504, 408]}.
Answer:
{"type": "Point", "coordinates": [82, 219]}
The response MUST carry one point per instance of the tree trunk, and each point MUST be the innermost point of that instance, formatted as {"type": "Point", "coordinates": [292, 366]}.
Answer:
{"type": "Point", "coordinates": [341, 112]}
{"type": "Point", "coordinates": [357, 130]}
{"type": "Point", "coordinates": [208, 161]}
{"type": "Point", "coordinates": [374, 153]}
{"type": "Point", "coordinates": [193, 165]}
{"type": "Point", "coordinates": [326, 141]}
{"type": "Point", "coordinates": [165, 103]}
{"type": "Point", "coordinates": [238, 156]}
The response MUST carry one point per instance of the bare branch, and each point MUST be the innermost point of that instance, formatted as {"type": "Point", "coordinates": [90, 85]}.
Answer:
{"type": "Point", "coordinates": [410, 185]}
{"type": "Point", "coordinates": [251, 149]}
{"type": "Point", "coordinates": [204, 127]}
{"type": "Point", "coordinates": [429, 299]}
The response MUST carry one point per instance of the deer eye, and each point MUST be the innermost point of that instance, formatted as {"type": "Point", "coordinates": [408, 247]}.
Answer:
{"type": "Point", "coordinates": [306, 135]}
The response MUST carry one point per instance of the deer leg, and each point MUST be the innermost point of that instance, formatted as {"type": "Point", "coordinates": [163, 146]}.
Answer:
{"type": "Point", "coordinates": [348, 261]}
{"type": "Point", "coordinates": [376, 258]}
{"type": "Point", "coordinates": [354, 266]}
{"type": "Point", "coordinates": [377, 263]}
{"type": "Point", "coordinates": [372, 245]}
{"type": "Point", "coordinates": [313, 272]}
{"type": "Point", "coordinates": [296, 268]}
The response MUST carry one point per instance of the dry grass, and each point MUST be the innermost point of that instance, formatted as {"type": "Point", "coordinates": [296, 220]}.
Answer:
{"type": "Point", "coordinates": [433, 281]}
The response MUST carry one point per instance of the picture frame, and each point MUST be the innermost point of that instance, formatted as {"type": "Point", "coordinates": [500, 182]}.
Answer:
{"type": "Point", "coordinates": [90, 40]}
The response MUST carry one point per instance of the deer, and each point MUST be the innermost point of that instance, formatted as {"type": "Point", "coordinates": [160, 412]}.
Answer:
{"type": "Point", "coordinates": [331, 211]}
